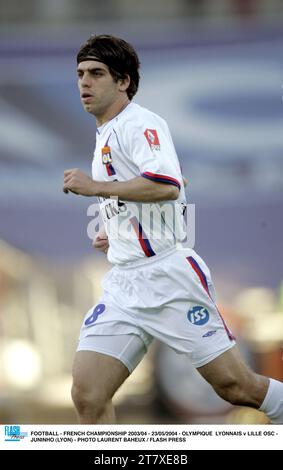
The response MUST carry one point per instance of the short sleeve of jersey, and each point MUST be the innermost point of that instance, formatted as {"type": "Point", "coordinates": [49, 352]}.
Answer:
{"type": "Point", "coordinates": [151, 148]}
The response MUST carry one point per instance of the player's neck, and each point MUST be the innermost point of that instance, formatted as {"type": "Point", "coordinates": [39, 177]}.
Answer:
{"type": "Point", "coordinates": [112, 112]}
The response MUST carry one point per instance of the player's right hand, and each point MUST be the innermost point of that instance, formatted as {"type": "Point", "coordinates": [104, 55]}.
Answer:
{"type": "Point", "coordinates": [101, 243]}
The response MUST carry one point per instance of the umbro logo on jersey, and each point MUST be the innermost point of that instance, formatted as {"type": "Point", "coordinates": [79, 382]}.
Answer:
{"type": "Point", "coordinates": [152, 138]}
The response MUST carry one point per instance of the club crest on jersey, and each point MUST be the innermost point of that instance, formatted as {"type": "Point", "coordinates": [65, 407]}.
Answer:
{"type": "Point", "coordinates": [107, 160]}
{"type": "Point", "coordinates": [152, 139]}
{"type": "Point", "coordinates": [106, 155]}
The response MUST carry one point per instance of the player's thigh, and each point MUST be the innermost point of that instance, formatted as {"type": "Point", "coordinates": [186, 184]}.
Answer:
{"type": "Point", "coordinates": [228, 368]}
{"type": "Point", "coordinates": [98, 374]}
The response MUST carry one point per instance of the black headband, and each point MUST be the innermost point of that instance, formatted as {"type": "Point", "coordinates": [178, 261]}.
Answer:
{"type": "Point", "coordinates": [92, 57]}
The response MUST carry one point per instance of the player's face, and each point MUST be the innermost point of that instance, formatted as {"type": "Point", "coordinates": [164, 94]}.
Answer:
{"type": "Point", "coordinates": [98, 91]}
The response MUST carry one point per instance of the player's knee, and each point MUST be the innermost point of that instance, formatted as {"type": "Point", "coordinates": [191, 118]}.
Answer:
{"type": "Point", "coordinates": [247, 389]}
{"type": "Point", "coordinates": [88, 400]}
{"type": "Point", "coordinates": [232, 390]}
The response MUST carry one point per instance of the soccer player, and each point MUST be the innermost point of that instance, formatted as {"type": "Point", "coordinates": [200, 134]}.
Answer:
{"type": "Point", "coordinates": [154, 290]}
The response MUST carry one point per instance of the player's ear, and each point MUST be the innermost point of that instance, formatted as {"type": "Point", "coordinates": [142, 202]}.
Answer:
{"type": "Point", "coordinates": [124, 83]}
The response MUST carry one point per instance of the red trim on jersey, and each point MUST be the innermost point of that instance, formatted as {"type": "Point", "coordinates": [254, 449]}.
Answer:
{"type": "Point", "coordinates": [144, 243]}
{"type": "Point", "coordinates": [110, 169]}
{"type": "Point", "coordinates": [161, 178]}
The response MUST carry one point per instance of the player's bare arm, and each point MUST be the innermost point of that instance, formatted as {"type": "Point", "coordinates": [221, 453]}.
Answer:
{"type": "Point", "coordinates": [101, 242]}
{"type": "Point", "coordinates": [138, 189]}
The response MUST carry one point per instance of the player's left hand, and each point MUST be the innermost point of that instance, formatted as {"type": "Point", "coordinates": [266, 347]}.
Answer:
{"type": "Point", "coordinates": [78, 182]}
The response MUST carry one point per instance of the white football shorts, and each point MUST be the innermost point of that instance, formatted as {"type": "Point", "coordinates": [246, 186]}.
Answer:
{"type": "Point", "coordinates": [169, 297]}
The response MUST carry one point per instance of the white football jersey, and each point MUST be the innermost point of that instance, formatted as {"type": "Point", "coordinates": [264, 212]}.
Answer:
{"type": "Point", "coordinates": [134, 143]}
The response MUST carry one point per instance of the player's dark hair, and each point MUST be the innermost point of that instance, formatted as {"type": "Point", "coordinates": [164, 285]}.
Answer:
{"type": "Point", "coordinates": [117, 54]}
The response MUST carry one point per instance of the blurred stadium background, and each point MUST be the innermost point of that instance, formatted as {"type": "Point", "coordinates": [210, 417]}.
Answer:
{"type": "Point", "coordinates": [213, 69]}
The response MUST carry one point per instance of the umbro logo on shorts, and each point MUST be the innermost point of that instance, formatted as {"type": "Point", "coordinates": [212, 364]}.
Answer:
{"type": "Point", "coordinates": [209, 333]}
